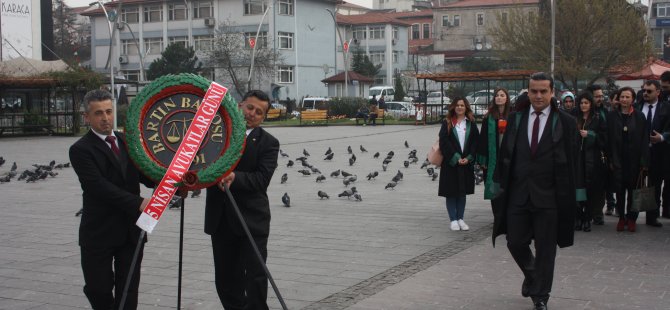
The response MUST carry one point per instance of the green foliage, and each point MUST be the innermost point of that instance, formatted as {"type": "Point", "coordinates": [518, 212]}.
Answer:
{"type": "Point", "coordinates": [456, 90]}
{"type": "Point", "coordinates": [121, 115]}
{"type": "Point", "coordinates": [591, 38]}
{"type": "Point", "coordinates": [79, 78]}
{"type": "Point", "coordinates": [399, 94]}
{"type": "Point", "coordinates": [346, 105]}
{"type": "Point", "coordinates": [175, 59]}
{"type": "Point", "coordinates": [474, 64]}
{"type": "Point", "coordinates": [31, 118]}
{"type": "Point", "coordinates": [361, 64]}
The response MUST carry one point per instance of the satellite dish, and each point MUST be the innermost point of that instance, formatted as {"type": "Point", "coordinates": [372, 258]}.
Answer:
{"type": "Point", "coordinates": [478, 46]}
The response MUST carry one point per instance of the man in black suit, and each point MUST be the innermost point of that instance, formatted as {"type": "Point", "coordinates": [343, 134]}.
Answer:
{"type": "Point", "coordinates": [656, 113]}
{"type": "Point", "coordinates": [108, 235]}
{"type": "Point", "coordinates": [535, 171]}
{"type": "Point", "coordinates": [240, 279]}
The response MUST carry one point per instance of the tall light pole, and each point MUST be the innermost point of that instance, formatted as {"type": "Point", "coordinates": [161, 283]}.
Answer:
{"type": "Point", "coordinates": [345, 54]}
{"type": "Point", "coordinates": [111, 66]}
{"type": "Point", "coordinates": [553, 36]}
{"type": "Point", "coordinates": [253, 48]}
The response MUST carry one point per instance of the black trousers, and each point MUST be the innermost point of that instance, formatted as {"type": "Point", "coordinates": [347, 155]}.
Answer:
{"type": "Point", "coordinates": [103, 285]}
{"type": "Point", "coordinates": [240, 280]}
{"type": "Point", "coordinates": [656, 179]}
{"type": "Point", "coordinates": [526, 223]}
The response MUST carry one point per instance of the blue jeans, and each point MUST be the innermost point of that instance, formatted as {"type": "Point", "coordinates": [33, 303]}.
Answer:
{"type": "Point", "coordinates": [456, 207]}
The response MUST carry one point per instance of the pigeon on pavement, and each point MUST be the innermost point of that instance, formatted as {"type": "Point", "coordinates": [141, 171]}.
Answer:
{"type": "Point", "coordinates": [286, 200]}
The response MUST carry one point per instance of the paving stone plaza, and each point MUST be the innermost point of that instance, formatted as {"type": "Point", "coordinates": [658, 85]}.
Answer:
{"type": "Point", "coordinates": [393, 250]}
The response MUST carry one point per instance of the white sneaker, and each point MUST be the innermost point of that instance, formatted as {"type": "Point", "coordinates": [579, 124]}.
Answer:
{"type": "Point", "coordinates": [462, 225]}
{"type": "Point", "coordinates": [455, 226]}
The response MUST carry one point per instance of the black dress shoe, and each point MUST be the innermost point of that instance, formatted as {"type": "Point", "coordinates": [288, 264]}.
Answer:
{"type": "Point", "coordinates": [654, 223]}
{"type": "Point", "coordinates": [598, 222]}
{"type": "Point", "coordinates": [541, 305]}
{"type": "Point", "coordinates": [587, 226]}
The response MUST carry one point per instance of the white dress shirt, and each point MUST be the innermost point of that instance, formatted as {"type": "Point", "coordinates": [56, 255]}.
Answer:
{"type": "Point", "coordinates": [103, 137]}
{"type": "Point", "coordinates": [460, 128]}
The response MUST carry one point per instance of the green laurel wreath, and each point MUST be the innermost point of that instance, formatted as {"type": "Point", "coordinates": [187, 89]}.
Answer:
{"type": "Point", "coordinates": [153, 170]}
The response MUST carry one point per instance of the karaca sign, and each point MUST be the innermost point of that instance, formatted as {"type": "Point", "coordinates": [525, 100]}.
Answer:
{"type": "Point", "coordinates": [174, 132]}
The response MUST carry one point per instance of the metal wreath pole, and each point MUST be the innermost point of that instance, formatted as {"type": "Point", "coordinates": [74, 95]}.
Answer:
{"type": "Point", "coordinates": [255, 247]}
{"type": "Point", "coordinates": [181, 250]}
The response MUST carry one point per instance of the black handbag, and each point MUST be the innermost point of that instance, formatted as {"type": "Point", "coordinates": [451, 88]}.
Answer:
{"type": "Point", "coordinates": [644, 195]}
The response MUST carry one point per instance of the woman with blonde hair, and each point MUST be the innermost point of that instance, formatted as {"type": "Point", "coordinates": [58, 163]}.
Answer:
{"type": "Point", "coordinates": [458, 144]}
{"type": "Point", "coordinates": [494, 124]}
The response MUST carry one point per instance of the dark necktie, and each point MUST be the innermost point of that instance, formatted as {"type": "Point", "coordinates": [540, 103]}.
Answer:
{"type": "Point", "coordinates": [112, 140]}
{"type": "Point", "coordinates": [536, 133]}
{"type": "Point", "coordinates": [649, 118]}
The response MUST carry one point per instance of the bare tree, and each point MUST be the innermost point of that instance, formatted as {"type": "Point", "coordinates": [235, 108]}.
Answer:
{"type": "Point", "coordinates": [591, 38]}
{"type": "Point", "coordinates": [231, 53]}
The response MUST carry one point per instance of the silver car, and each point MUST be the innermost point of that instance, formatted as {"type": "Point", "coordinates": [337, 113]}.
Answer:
{"type": "Point", "coordinates": [400, 109]}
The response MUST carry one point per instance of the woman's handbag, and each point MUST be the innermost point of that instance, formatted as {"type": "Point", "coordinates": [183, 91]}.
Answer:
{"type": "Point", "coordinates": [643, 196]}
{"type": "Point", "coordinates": [434, 154]}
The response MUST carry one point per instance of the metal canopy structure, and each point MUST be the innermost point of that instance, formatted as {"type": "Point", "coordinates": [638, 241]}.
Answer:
{"type": "Point", "coordinates": [474, 81]}
{"type": "Point", "coordinates": [477, 76]}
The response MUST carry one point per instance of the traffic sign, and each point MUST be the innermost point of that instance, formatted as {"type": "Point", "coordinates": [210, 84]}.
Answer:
{"type": "Point", "coordinates": [345, 46]}
{"type": "Point", "coordinates": [252, 42]}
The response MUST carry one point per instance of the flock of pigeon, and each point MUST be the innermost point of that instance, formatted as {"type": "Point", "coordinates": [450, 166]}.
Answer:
{"type": "Point", "coordinates": [307, 169]}
{"type": "Point", "coordinates": [38, 172]}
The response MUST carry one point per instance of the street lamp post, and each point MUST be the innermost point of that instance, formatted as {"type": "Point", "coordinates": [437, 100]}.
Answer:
{"type": "Point", "coordinates": [111, 50]}
{"type": "Point", "coordinates": [139, 52]}
{"type": "Point", "coordinates": [345, 54]}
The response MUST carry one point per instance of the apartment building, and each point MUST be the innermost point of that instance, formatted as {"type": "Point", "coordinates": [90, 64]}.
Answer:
{"type": "Point", "coordinates": [302, 32]}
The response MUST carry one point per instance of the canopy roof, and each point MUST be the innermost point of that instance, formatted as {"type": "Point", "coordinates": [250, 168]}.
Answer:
{"type": "Point", "coordinates": [25, 67]}
{"type": "Point", "coordinates": [651, 71]}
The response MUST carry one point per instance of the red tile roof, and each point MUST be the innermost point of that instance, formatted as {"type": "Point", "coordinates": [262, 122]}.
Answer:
{"type": "Point", "coordinates": [352, 76]}
{"type": "Point", "coordinates": [476, 3]}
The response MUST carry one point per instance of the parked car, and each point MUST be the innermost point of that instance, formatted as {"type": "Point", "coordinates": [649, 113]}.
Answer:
{"type": "Point", "coordinates": [277, 106]}
{"type": "Point", "coordinates": [400, 109]}
{"type": "Point", "coordinates": [436, 97]}
{"type": "Point", "coordinates": [386, 92]}
{"type": "Point", "coordinates": [314, 103]}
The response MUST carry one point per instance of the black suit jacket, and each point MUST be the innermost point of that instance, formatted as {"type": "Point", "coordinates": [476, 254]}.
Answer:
{"type": "Point", "coordinates": [658, 151]}
{"type": "Point", "coordinates": [110, 192]}
{"type": "Point", "coordinates": [252, 178]}
{"type": "Point", "coordinates": [564, 144]}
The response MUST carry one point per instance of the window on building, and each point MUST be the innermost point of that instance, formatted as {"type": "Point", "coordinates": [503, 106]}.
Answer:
{"type": "Point", "coordinates": [176, 12]}
{"type": "Point", "coordinates": [480, 19]}
{"type": "Point", "coordinates": [662, 10]}
{"type": "Point", "coordinates": [183, 41]}
{"type": "Point", "coordinates": [457, 20]}
{"type": "Point", "coordinates": [132, 75]}
{"type": "Point", "coordinates": [377, 57]}
{"type": "Point", "coordinates": [503, 17]}
{"type": "Point", "coordinates": [202, 43]}
{"type": "Point", "coordinates": [261, 41]}
{"type": "Point", "coordinates": [153, 13]}
{"type": "Point", "coordinates": [128, 47]}
{"type": "Point", "coordinates": [130, 15]}
{"type": "Point", "coordinates": [395, 33]}
{"type": "Point", "coordinates": [203, 9]}
{"type": "Point", "coordinates": [153, 46]}
{"type": "Point", "coordinates": [377, 32]}
{"type": "Point", "coordinates": [285, 7]}
{"type": "Point", "coordinates": [285, 74]}
{"type": "Point", "coordinates": [395, 57]}
{"type": "Point", "coordinates": [359, 33]}
{"type": "Point", "coordinates": [254, 7]}
{"type": "Point", "coordinates": [445, 21]}
{"type": "Point", "coordinates": [416, 34]}
{"type": "Point", "coordinates": [426, 31]}
{"type": "Point", "coordinates": [379, 80]}
{"type": "Point", "coordinates": [285, 40]}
